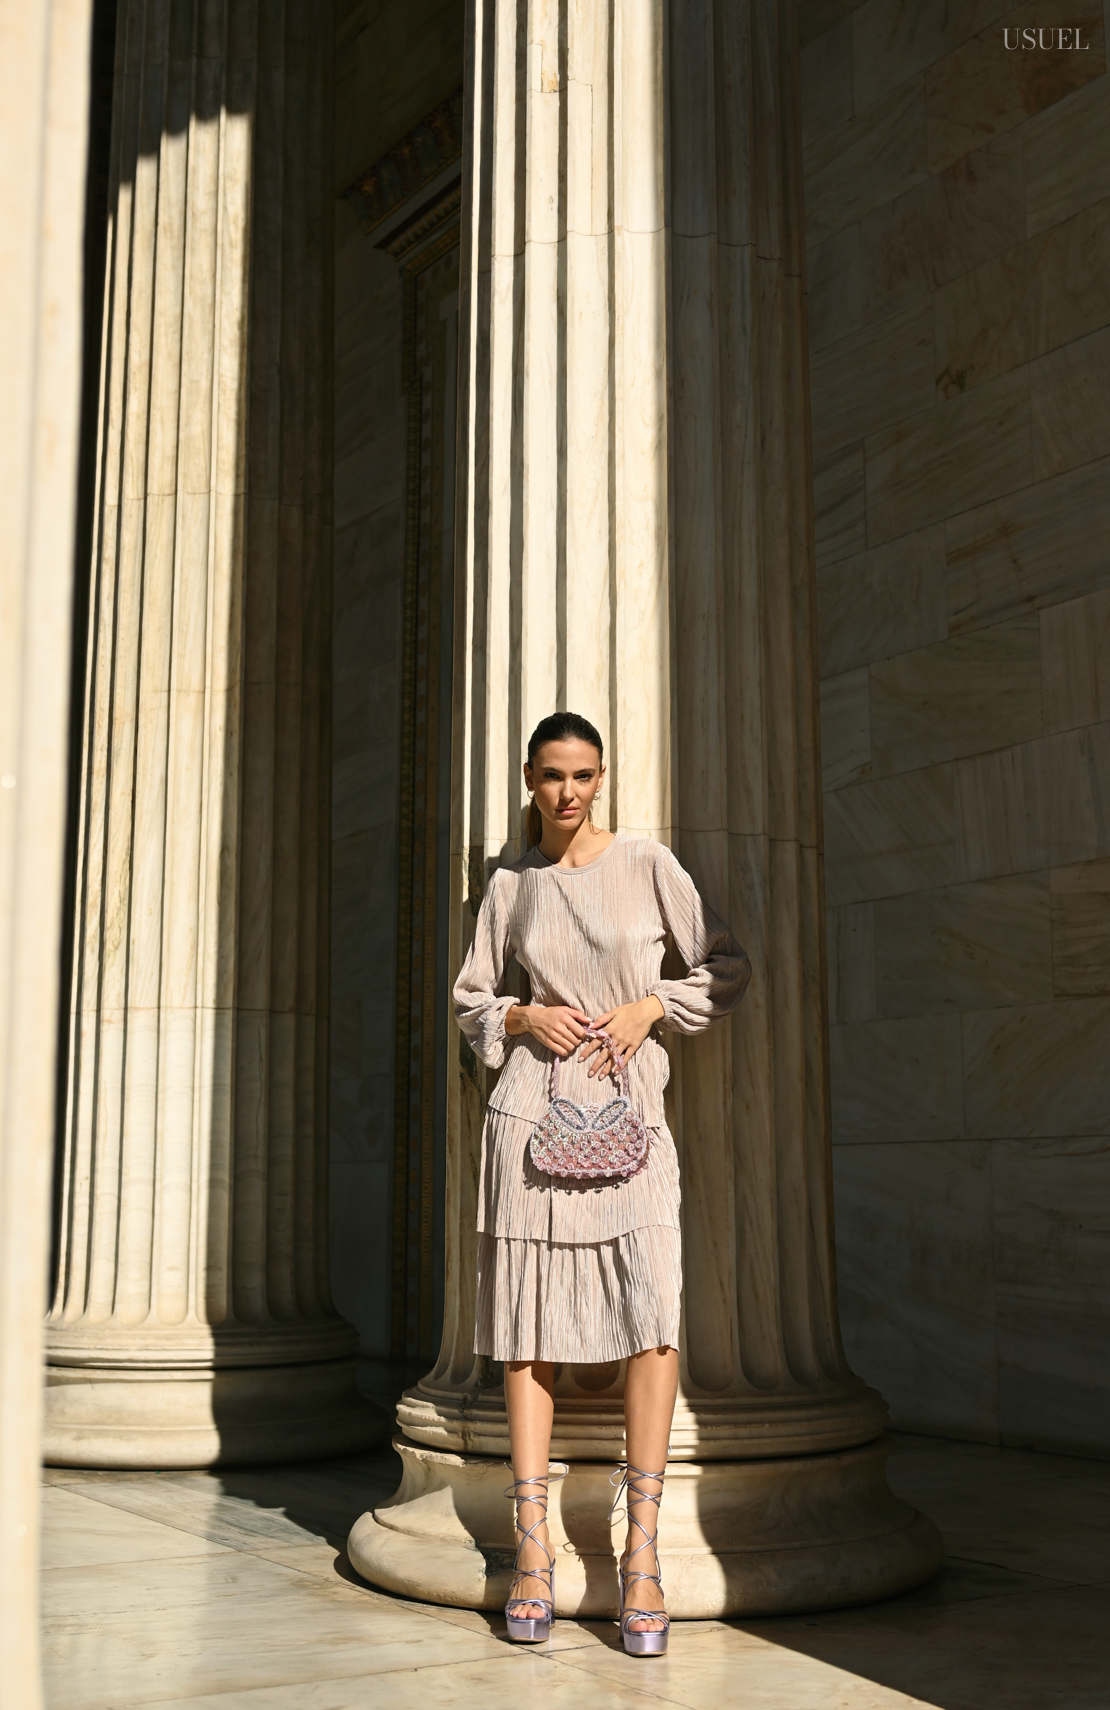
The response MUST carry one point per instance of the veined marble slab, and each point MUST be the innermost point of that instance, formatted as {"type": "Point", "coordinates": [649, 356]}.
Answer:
{"type": "Point", "coordinates": [839, 505]}
{"type": "Point", "coordinates": [845, 729]}
{"type": "Point", "coordinates": [1035, 546]}
{"type": "Point", "coordinates": [817, 16]}
{"type": "Point", "coordinates": [942, 228]}
{"type": "Point", "coordinates": [980, 89]}
{"type": "Point", "coordinates": [833, 288]}
{"type": "Point", "coordinates": [243, 1508]}
{"type": "Point", "coordinates": [892, 835]}
{"type": "Point", "coordinates": [890, 600]}
{"type": "Point", "coordinates": [1043, 1651]}
{"type": "Point", "coordinates": [152, 1631]}
{"type": "Point", "coordinates": [865, 162]}
{"type": "Point", "coordinates": [973, 692]}
{"type": "Point", "coordinates": [915, 1276]}
{"type": "Point", "coordinates": [964, 947]}
{"type": "Point", "coordinates": [1067, 157]}
{"type": "Point", "coordinates": [942, 460]}
{"type": "Point", "coordinates": [1080, 901]}
{"type": "Point", "coordinates": [1021, 1529]}
{"type": "Point", "coordinates": [1069, 397]}
{"type": "Point", "coordinates": [1026, 1513]}
{"type": "Point", "coordinates": [1042, 1069]}
{"type": "Point", "coordinates": [1039, 804]}
{"type": "Point", "coordinates": [81, 1531]}
{"type": "Point", "coordinates": [897, 1080]}
{"type": "Point", "coordinates": [1023, 303]}
{"type": "Point", "coordinates": [893, 42]}
{"type": "Point", "coordinates": [1074, 643]}
{"type": "Point", "coordinates": [851, 935]}
{"type": "Point", "coordinates": [711, 1670]}
{"type": "Point", "coordinates": [826, 79]}
{"type": "Point", "coordinates": [1052, 1262]}
{"type": "Point", "coordinates": [873, 378]}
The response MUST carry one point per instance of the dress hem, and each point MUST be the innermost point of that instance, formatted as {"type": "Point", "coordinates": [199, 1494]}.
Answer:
{"type": "Point", "coordinates": [575, 1359]}
{"type": "Point", "coordinates": [586, 1304]}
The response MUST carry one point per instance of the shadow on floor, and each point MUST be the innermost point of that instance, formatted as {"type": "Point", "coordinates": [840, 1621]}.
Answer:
{"type": "Point", "coordinates": [324, 1498]}
{"type": "Point", "coordinates": [1018, 1618]}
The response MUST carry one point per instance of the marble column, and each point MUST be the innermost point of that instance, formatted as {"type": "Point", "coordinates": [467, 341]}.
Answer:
{"type": "Point", "coordinates": [192, 1318]}
{"type": "Point", "coordinates": [44, 91]}
{"type": "Point", "coordinates": [635, 542]}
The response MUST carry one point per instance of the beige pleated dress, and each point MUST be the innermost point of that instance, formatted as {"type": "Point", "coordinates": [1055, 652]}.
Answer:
{"type": "Point", "coordinates": [567, 1270]}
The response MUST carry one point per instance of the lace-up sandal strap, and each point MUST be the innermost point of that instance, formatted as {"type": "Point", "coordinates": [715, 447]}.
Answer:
{"type": "Point", "coordinates": [629, 1491]}
{"type": "Point", "coordinates": [629, 1575]}
{"type": "Point", "coordinates": [514, 1490]}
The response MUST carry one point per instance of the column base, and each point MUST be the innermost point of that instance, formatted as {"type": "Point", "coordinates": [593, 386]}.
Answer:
{"type": "Point", "coordinates": [589, 1422]}
{"type": "Point", "coordinates": [770, 1537]}
{"type": "Point", "coordinates": [112, 1417]}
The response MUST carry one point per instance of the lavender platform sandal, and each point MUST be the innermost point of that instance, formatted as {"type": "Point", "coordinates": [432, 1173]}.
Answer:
{"type": "Point", "coordinates": [651, 1643]}
{"type": "Point", "coordinates": [524, 1628]}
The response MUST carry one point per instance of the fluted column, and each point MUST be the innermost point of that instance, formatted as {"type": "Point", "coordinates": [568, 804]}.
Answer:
{"type": "Point", "coordinates": [44, 89]}
{"type": "Point", "coordinates": [192, 1317]}
{"type": "Point", "coordinates": [635, 542]}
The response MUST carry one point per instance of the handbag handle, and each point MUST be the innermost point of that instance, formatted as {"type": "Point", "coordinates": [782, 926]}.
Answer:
{"type": "Point", "coordinates": [618, 1062]}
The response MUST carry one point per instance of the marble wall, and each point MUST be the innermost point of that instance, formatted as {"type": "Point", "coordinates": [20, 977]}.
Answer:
{"type": "Point", "coordinates": [958, 221]}
{"type": "Point", "coordinates": [392, 65]}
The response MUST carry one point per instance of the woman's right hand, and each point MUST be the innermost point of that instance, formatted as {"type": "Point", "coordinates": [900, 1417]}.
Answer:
{"type": "Point", "coordinates": [558, 1026]}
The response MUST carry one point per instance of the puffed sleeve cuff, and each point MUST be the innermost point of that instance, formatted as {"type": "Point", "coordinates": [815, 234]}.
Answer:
{"type": "Point", "coordinates": [481, 1002]}
{"type": "Point", "coordinates": [719, 969]}
{"type": "Point", "coordinates": [708, 994]}
{"type": "Point", "coordinates": [484, 1027]}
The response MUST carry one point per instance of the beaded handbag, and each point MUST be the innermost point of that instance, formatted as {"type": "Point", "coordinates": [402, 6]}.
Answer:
{"type": "Point", "coordinates": [590, 1141]}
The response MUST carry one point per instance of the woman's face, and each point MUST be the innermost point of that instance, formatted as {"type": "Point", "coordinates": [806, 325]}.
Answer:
{"type": "Point", "coordinates": [565, 777]}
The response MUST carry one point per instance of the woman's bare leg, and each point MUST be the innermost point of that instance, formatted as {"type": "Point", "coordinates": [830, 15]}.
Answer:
{"type": "Point", "coordinates": [530, 1403]}
{"type": "Point", "coordinates": [650, 1387]}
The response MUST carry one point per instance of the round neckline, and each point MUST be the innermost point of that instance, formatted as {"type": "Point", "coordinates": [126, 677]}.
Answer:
{"type": "Point", "coordinates": [588, 867]}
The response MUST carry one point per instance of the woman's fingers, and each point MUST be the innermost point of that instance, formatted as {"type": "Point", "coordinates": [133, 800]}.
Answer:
{"type": "Point", "coordinates": [604, 1064]}
{"type": "Point", "coordinates": [565, 1033]}
{"type": "Point", "coordinates": [564, 1029]}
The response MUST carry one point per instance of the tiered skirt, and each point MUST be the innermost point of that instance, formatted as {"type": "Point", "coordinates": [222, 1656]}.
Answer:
{"type": "Point", "coordinates": [574, 1271]}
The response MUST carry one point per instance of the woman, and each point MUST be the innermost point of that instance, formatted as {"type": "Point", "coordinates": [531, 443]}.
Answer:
{"type": "Point", "coordinates": [585, 1271]}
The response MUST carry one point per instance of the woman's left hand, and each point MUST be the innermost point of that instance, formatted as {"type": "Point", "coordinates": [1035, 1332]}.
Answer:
{"type": "Point", "coordinates": [627, 1026]}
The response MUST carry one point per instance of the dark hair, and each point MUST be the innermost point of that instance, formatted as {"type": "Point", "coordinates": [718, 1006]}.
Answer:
{"type": "Point", "coordinates": [558, 727]}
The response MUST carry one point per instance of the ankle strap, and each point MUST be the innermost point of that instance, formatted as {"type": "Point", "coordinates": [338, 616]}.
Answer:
{"type": "Point", "coordinates": [514, 1489]}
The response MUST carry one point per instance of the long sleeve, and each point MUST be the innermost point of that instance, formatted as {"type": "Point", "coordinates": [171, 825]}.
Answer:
{"type": "Point", "coordinates": [480, 1006]}
{"type": "Point", "coordinates": [719, 968]}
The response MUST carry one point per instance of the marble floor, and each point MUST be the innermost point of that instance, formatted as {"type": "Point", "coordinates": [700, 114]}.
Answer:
{"type": "Point", "coordinates": [231, 1591]}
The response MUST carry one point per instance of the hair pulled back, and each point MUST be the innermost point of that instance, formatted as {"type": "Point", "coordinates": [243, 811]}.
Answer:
{"type": "Point", "coordinates": [558, 727]}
